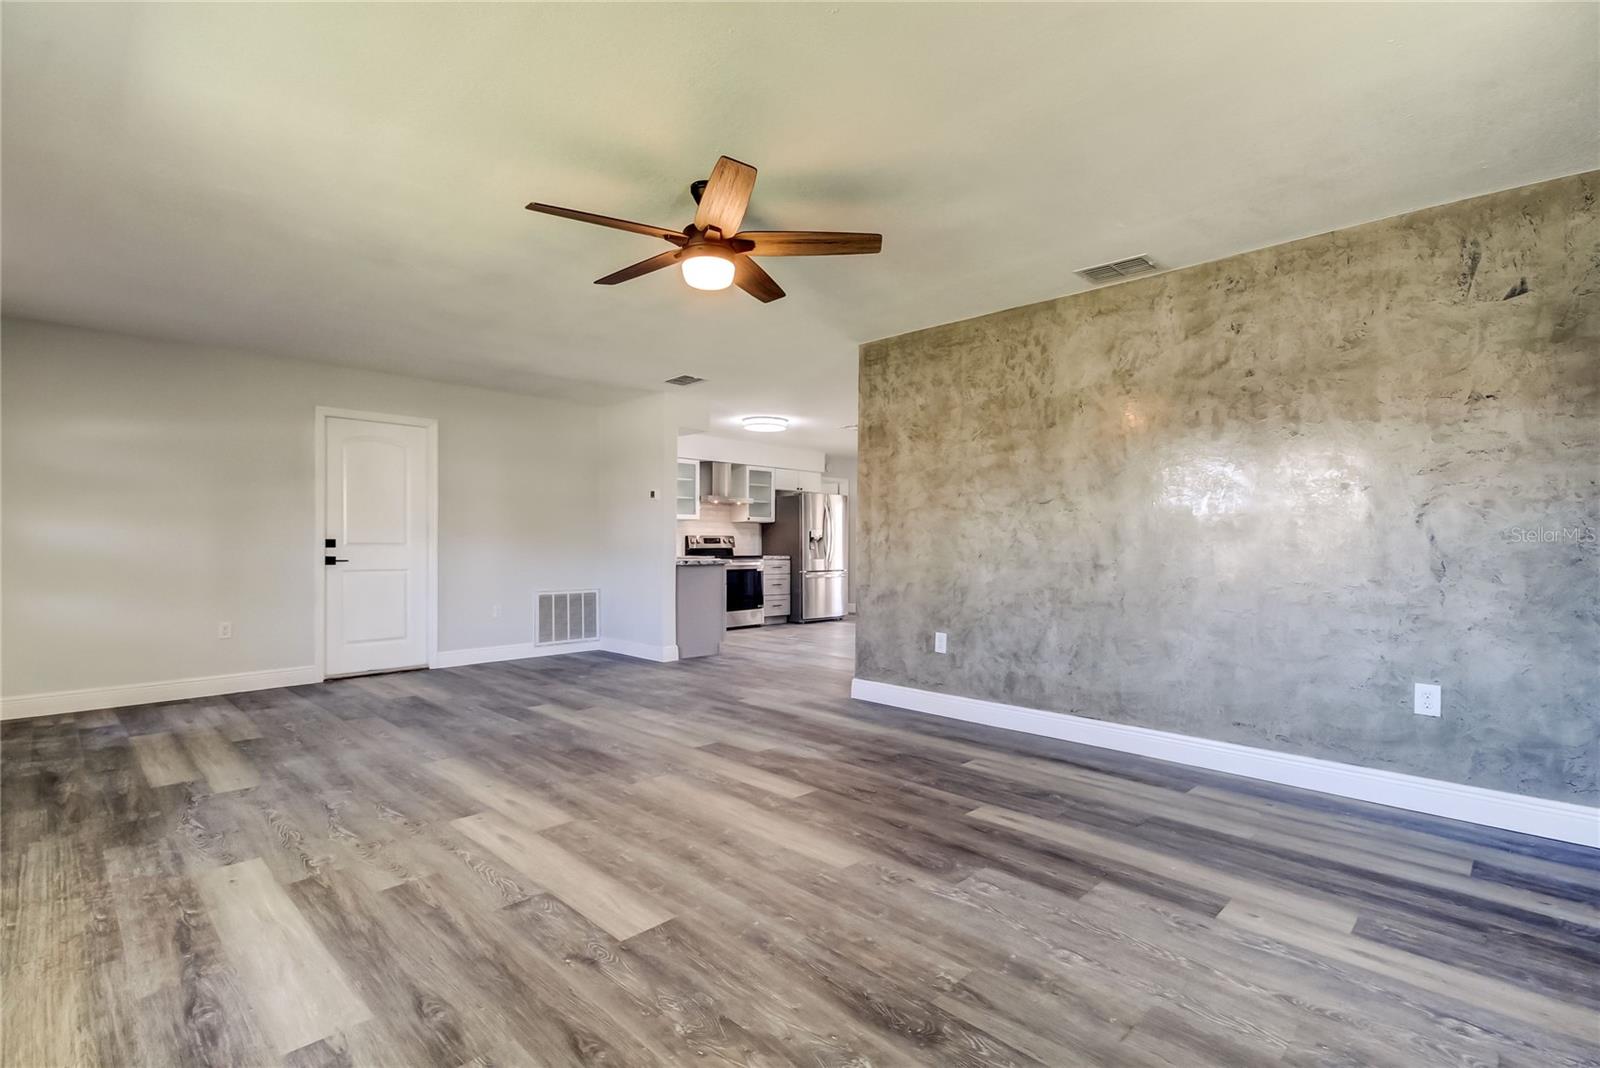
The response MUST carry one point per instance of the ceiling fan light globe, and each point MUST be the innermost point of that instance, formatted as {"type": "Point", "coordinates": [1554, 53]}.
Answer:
{"type": "Point", "coordinates": [707, 271]}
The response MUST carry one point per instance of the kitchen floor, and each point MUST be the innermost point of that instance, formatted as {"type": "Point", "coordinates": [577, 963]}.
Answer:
{"type": "Point", "coordinates": [594, 860]}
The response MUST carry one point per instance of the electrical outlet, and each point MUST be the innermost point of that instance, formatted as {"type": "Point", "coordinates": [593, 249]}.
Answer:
{"type": "Point", "coordinates": [224, 630]}
{"type": "Point", "coordinates": [1427, 699]}
{"type": "Point", "coordinates": [941, 642]}
{"type": "Point", "coordinates": [494, 612]}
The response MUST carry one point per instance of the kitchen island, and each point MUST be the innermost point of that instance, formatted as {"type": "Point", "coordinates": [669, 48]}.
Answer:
{"type": "Point", "coordinates": [702, 605]}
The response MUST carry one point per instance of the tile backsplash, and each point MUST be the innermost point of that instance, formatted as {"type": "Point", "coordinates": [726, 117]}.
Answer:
{"type": "Point", "coordinates": [718, 519]}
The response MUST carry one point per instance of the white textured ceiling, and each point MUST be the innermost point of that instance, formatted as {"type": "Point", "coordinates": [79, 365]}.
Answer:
{"type": "Point", "coordinates": [346, 182]}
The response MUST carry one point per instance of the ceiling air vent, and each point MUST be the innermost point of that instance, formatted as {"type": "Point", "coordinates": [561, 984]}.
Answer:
{"type": "Point", "coordinates": [684, 380]}
{"type": "Point", "coordinates": [1110, 272]}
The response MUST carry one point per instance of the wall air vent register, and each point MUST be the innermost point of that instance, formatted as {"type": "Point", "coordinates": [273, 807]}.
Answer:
{"type": "Point", "coordinates": [568, 616]}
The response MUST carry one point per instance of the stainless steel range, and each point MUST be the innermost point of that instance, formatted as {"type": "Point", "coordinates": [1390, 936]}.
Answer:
{"type": "Point", "coordinates": [744, 576]}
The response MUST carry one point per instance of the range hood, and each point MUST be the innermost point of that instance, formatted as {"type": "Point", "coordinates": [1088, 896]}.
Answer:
{"type": "Point", "coordinates": [725, 488]}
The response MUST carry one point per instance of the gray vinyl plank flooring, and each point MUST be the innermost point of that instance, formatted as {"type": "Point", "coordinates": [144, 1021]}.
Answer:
{"type": "Point", "coordinates": [589, 860]}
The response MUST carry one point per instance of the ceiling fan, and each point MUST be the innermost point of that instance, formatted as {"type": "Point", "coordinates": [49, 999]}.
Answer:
{"type": "Point", "coordinates": [712, 252]}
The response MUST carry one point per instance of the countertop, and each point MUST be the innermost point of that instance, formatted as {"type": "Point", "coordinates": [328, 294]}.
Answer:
{"type": "Point", "coordinates": [701, 561]}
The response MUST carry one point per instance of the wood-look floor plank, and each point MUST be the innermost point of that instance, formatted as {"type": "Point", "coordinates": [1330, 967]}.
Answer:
{"type": "Point", "coordinates": [297, 990]}
{"type": "Point", "coordinates": [234, 724]}
{"type": "Point", "coordinates": [1334, 917]}
{"type": "Point", "coordinates": [427, 1007]}
{"type": "Point", "coordinates": [224, 767]}
{"type": "Point", "coordinates": [683, 754]}
{"type": "Point", "coordinates": [188, 1004]}
{"type": "Point", "coordinates": [1219, 967]}
{"type": "Point", "coordinates": [163, 760]}
{"type": "Point", "coordinates": [1200, 811]}
{"type": "Point", "coordinates": [46, 976]}
{"type": "Point", "coordinates": [1403, 828]}
{"type": "Point", "coordinates": [520, 806]}
{"type": "Point", "coordinates": [743, 817]}
{"type": "Point", "coordinates": [610, 904]}
{"type": "Point", "coordinates": [1492, 994]}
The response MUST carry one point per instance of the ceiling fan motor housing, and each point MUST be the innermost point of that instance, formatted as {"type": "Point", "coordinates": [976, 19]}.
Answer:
{"type": "Point", "coordinates": [701, 245]}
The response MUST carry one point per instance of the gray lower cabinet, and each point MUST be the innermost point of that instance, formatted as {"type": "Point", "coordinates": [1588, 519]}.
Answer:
{"type": "Point", "coordinates": [774, 588]}
{"type": "Point", "coordinates": [702, 609]}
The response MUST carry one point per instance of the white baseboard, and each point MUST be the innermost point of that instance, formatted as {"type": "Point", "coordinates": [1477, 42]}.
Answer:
{"type": "Point", "coordinates": [144, 693]}
{"type": "Point", "coordinates": [1559, 820]}
{"type": "Point", "coordinates": [661, 654]}
{"type": "Point", "coordinates": [489, 654]}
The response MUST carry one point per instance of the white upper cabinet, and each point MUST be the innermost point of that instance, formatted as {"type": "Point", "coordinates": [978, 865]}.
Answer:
{"type": "Point", "coordinates": [688, 489]}
{"type": "Point", "coordinates": [762, 489]}
{"type": "Point", "coordinates": [807, 481]}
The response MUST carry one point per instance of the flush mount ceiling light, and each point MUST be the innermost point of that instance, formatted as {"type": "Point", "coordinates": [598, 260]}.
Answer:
{"type": "Point", "coordinates": [765, 424]}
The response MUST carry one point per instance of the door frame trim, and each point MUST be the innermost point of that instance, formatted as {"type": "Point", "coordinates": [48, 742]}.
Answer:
{"type": "Point", "coordinates": [431, 587]}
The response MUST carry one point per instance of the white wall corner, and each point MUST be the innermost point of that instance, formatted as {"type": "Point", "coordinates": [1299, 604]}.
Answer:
{"type": "Point", "coordinates": [88, 700]}
{"type": "Point", "coordinates": [1559, 820]}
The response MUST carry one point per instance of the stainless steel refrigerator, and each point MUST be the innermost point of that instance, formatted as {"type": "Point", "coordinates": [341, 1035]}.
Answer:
{"type": "Point", "coordinates": [809, 528]}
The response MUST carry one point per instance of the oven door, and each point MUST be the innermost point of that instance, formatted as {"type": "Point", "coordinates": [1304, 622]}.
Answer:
{"type": "Point", "coordinates": [744, 589]}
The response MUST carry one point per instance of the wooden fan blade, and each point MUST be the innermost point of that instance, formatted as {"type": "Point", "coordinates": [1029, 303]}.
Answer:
{"type": "Point", "coordinates": [748, 276]}
{"type": "Point", "coordinates": [654, 263]}
{"type": "Point", "coordinates": [675, 236]}
{"type": "Point", "coordinates": [726, 195]}
{"type": "Point", "coordinates": [807, 243]}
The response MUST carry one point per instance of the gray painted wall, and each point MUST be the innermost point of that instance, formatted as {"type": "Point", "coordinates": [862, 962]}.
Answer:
{"type": "Point", "coordinates": [1257, 499]}
{"type": "Point", "coordinates": [153, 490]}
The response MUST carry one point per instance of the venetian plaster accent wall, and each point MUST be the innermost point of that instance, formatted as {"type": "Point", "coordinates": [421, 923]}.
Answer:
{"type": "Point", "coordinates": [1255, 500]}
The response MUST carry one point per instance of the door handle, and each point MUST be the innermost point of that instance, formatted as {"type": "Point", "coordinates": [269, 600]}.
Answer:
{"type": "Point", "coordinates": [331, 560]}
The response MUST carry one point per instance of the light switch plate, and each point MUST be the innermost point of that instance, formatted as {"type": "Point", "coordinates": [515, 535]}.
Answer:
{"type": "Point", "coordinates": [1427, 699]}
{"type": "Point", "coordinates": [941, 642]}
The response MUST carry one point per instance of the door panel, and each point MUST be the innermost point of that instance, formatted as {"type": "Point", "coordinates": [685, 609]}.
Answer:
{"type": "Point", "coordinates": [374, 480]}
{"type": "Point", "coordinates": [688, 489]}
{"type": "Point", "coordinates": [822, 595]}
{"type": "Point", "coordinates": [822, 530]}
{"type": "Point", "coordinates": [759, 486]}
{"type": "Point", "coordinates": [377, 515]}
{"type": "Point", "coordinates": [813, 551]}
{"type": "Point", "coordinates": [744, 589]}
{"type": "Point", "coordinates": [374, 605]}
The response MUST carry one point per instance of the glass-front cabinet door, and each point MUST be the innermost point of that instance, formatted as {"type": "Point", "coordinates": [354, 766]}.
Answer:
{"type": "Point", "coordinates": [762, 496]}
{"type": "Point", "coordinates": [688, 489]}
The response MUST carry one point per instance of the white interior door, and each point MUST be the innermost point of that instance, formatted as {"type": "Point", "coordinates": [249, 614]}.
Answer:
{"type": "Point", "coordinates": [377, 521]}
